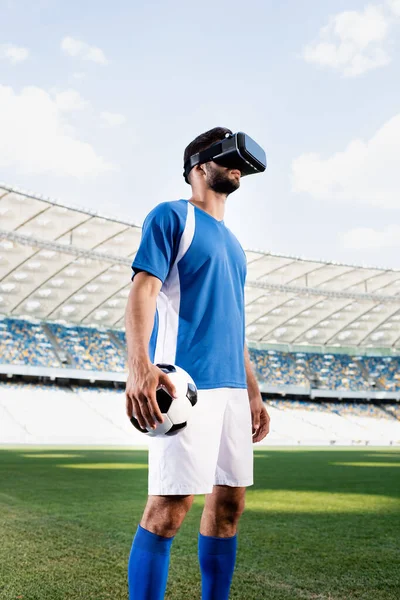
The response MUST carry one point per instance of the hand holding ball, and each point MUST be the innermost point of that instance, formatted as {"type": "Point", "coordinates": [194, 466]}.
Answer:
{"type": "Point", "coordinates": [175, 411]}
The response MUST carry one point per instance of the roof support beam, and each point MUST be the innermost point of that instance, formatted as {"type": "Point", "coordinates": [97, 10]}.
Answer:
{"type": "Point", "coordinates": [378, 298]}
{"type": "Point", "coordinates": [103, 256]}
{"type": "Point", "coordinates": [27, 240]}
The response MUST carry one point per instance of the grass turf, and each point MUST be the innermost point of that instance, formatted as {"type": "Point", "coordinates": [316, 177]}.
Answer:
{"type": "Point", "coordinates": [320, 524]}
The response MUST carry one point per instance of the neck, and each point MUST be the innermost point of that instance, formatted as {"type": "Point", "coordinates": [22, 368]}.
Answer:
{"type": "Point", "coordinates": [210, 202]}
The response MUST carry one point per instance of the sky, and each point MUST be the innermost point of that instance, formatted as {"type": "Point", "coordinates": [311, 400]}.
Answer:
{"type": "Point", "coordinates": [98, 101]}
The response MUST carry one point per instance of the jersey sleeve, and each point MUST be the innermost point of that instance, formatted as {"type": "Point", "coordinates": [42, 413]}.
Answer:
{"type": "Point", "coordinates": [158, 248]}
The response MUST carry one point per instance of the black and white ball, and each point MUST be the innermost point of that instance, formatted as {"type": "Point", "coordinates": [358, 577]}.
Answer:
{"type": "Point", "coordinates": [175, 411]}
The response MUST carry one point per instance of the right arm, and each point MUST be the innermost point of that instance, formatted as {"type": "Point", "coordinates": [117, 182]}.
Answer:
{"type": "Point", "coordinates": [143, 377]}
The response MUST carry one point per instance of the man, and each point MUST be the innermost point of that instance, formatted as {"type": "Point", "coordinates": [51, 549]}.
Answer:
{"type": "Point", "coordinates": [186, 307]}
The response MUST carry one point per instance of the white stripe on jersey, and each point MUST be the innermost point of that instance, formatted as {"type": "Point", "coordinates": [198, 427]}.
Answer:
{"type": "Point", "coordinates": [169, 298]}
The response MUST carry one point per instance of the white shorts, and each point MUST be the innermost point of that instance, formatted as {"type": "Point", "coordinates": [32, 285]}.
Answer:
{"type": "Point", "coordinates": [216, 447]}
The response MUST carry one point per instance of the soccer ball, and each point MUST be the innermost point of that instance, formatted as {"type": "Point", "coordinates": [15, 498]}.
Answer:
{"type": "Point", "coordinates": [175, 411]}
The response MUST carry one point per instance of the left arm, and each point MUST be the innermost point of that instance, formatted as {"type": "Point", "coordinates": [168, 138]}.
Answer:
{"type": "Point", "coordinates": [259, 416]}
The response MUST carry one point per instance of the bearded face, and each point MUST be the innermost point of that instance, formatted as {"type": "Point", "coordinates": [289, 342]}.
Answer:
{"type": "Point", "coordinates": [222, 180]}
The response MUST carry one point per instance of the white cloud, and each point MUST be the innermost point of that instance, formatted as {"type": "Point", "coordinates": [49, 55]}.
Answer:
{"type": "Point", "coordinates": [70, 100]}
{"type": "Point", "coordinates": [365, 171]}
{"type": "Point", "coordinates": [36, 139]}
{"type": "Point", "coordinates": [365, 238]}
{"type": "Point", "coordinates": [112, 119]}
{"type": "Point", "coordinates": [14, 54]}
{"type": "Point", "coordinates": [78, 49]}
{"type": "Point", "coordinates": [96, 55]}
{"type": "Point", "coordinates": [394, 6]}
{"type": "Point", "coordinates": [353, 42]}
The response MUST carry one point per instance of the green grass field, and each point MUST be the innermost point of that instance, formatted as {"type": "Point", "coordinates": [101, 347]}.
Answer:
{"type": "Point", "coordinates": [321, 524]}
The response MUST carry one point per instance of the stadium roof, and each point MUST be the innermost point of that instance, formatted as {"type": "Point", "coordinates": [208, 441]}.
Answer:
{"type": "Point", "coordinates": [59, 262]}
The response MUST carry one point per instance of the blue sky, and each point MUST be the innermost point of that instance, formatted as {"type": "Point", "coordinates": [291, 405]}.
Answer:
{"type": "Point", "coordinates": [99, 99]}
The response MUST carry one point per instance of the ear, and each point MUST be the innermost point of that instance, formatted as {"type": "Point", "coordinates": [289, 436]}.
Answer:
{"type": "Point", "coordinates": [202, 169]}
{"type": "Point", "coordinates": [197, 174]}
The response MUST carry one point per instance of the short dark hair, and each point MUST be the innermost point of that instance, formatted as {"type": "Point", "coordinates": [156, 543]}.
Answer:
{"type": "Point", "coordinates": [204, 141]}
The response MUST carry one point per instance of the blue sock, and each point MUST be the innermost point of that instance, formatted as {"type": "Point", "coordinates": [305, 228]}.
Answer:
{"type": "Point", "coordinates": [148, 565]}
{"type": "Point", "coordinates": [217, 558]}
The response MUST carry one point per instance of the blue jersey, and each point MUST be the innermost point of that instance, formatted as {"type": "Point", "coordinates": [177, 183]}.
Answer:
{"type": "Point", "coordinates": [199, 322]}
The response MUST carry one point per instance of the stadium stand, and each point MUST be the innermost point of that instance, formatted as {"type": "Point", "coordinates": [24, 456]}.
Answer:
{"type": "Point", "coordinates": [49, 414]}
{"type": "Point", "coordinates": [394, 410]}
{"type": "Point", "coordinates": [279, 368]}
{"type": "Point", "coordinates": [384, 371]}
{"type": "Point", "coordinates": [327, 371]}
{"type": "Point", "coordinates": [313, 423]}
{"type": "Point", "coordinates": [30, 414]}
{"type": "Point", "coordinates": [89, 348]}
{"type": "Point", "coordinates": [25, 343]}
{"type": "Point", "coordinates": [336, 371]}
{"type": "Point", "coordinates": [120, 335]}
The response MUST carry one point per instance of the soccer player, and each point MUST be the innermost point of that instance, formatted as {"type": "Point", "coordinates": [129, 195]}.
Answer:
{"type": "Point", "coordinates": [186, 307]}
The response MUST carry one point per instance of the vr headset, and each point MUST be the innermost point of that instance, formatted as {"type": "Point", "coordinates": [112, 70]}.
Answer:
{"type": "Point", "coordinates": [236, 151]}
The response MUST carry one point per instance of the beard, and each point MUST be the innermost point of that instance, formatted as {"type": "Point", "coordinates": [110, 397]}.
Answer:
{"type": "Point", "coordinates": [221, 183]}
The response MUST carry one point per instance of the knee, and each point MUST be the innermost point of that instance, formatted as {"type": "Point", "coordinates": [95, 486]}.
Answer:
{"type": "Point", "coordinates": [230, 511]}
{"type": "Point", "coordinates": [164, 515]}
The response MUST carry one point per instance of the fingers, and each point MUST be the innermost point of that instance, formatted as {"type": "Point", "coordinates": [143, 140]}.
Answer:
{"type": "Point", "coordinates": [266, 420]}
{"type": "Point", "coordinates": [260, 432]}
{"type": "Point", "coordinates": [132, 408]}
{"type": "Point", "coordinates": [267, 427]}
{"type": "Point", "coordinates": [260, 435]}
{"type": "Point", "coordinates": [146, 411]}
{"type": "Point", "coordinates": [255, 420]}
{"type": "Point", "coordinates": [256, 423]}
{"type": "Point", "coordinates": [138, 413]}
{"type": "Point", "coordinates": [128, 406]}
{"type": "Point", "coordinates": [256, 436]}
{"type": "Point", "coordinates": [142, 411]}
{"type": "Point", "coordinates": [141, 400]}
{"type": "Point", "coordinates": [155, 408]}
{"type": "Point", "coordinates": [167, 383]}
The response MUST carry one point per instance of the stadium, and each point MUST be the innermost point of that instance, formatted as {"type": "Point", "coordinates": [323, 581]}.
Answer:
{"type": "Point", "coordinates": [324, 337]}
{"type": "Point", "coordinates": [324, 340]}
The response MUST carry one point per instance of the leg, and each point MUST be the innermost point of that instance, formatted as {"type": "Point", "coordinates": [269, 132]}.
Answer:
{"type": "Point", "coordinates": [217, 540]}
{"type": "Point", "coordinates": [222, 511]}
{"type": "Point", "coordinates": [164, 515]}
{"type": "Point", "coordinates": [234, 472]}
{"type": "Point", "coordinates": [179, 466]}
{"type": "Point", "coordinates": [149, 557]}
